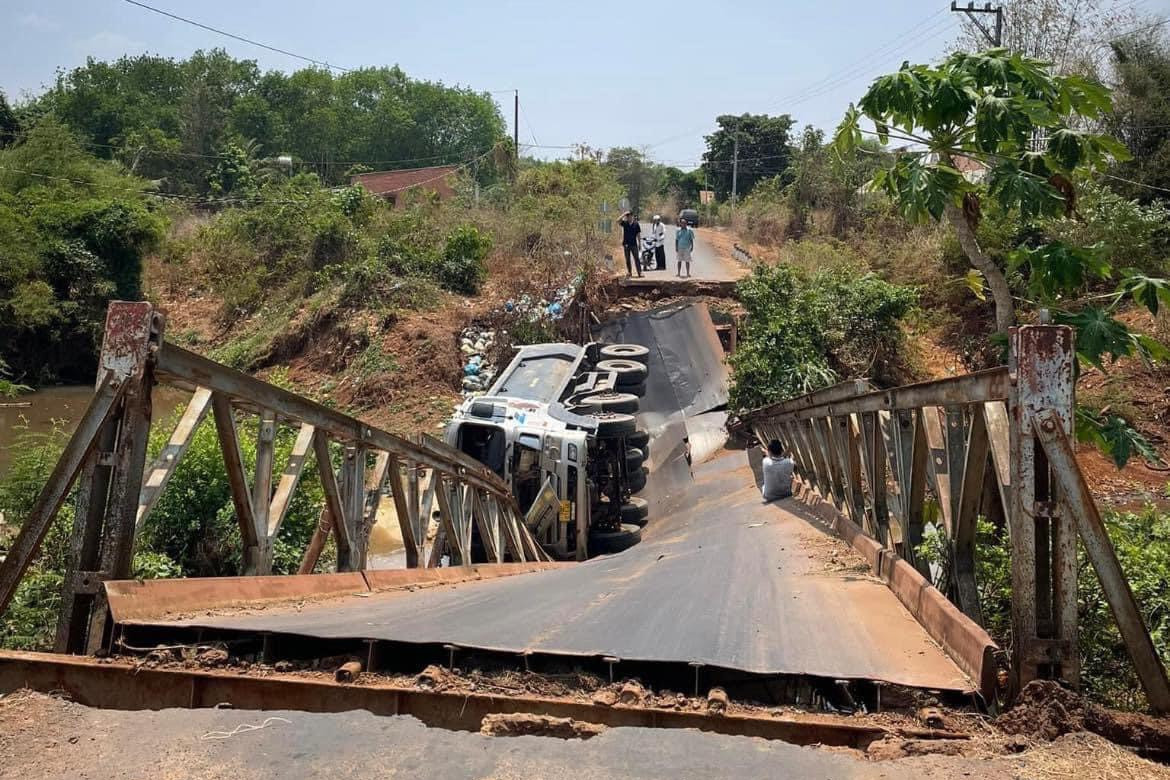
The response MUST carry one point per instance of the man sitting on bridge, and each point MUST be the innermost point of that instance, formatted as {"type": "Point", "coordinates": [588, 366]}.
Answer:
{"type": "Point", "coordinates": [778, 467]}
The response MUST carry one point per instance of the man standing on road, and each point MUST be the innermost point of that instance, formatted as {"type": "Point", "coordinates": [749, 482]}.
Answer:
{"type": "Point", "coordinates": [778, 467]}
{"type": "Point", "coordinates": [658, 233]}
{"type": "Point", "coordinates": [684, 244]}
{"type": "Point", "coordinates": [631, 236]}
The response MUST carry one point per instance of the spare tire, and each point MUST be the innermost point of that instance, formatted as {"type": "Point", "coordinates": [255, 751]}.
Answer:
{"type": "Point", "coordinates": [636, 511]}
{"type": "Point", "coordinates": [637, 480]}
{"type": "Point", "coordinates": [610, 425]}
{"type": "Point", "coordinates": [605, 542]}
{"type": "Point", "coordinates": [625, 352]}
{"type": "Point", "coordinates": [629, 372]}
{"type": "Point", "coordinates": [622, 403]}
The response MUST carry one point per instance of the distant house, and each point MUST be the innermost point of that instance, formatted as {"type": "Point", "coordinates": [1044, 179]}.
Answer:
{"type": "Point", "coordinates": [391, 184]}
{"type": "Point", "coordinates": [973, 170]}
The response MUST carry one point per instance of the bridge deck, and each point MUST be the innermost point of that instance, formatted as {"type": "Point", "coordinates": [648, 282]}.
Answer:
{"type": "Point", "coordinates": [721, 578]}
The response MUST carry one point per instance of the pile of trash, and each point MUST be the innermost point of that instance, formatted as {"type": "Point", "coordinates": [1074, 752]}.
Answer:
{"type": "Point", "coordinates": [474, 344]}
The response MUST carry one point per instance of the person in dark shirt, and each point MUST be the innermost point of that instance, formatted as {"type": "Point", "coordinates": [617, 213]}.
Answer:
{"type": "Point", "coordinates": [631, 238]}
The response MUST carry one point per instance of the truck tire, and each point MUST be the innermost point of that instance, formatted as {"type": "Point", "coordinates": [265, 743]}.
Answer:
{"type": "Point", "coordinates": [625, 352]}
{"type": "Point", "coordinates": [637, 481]}
{"type": "Point", "coordinates": [636, 511]}
{"type": "Point", "coordinates": [610, 425]}
{"type": "Point", "coordinates": [605, 542]}
{"type": "Point", "coordinates": [622, 403]}
{"type": "Point", "coordinates": [629, 372]}
{"type": "Point", "coordinates": [639, 439]}
{"type": "Point", "coordinates": [634, 459]}
{"type": "Point", "coordinates": [638, 389]}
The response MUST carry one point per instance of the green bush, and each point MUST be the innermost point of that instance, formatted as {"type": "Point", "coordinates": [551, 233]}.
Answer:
{"type": "Point", "coordinates": [1142, 542]}
{"type": "Point", "coordinates": [463, 269]}
{"type": "Point", "coordinates": [73, 234]}
{"type": "Point", "coordinates": [804, 330]}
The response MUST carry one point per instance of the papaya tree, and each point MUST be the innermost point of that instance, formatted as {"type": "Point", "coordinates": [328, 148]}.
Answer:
{"type": "Point", "coordinates": [1023, 126]}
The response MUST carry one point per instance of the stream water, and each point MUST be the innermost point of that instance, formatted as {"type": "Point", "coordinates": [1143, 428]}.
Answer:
{"type": "Point", "coordinates": [60, 408]}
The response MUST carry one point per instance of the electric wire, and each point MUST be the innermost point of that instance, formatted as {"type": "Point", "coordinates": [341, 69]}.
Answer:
{"type": "Point", "coordinates": [240, 38]}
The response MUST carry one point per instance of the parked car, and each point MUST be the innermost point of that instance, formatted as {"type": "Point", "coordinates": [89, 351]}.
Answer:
{"type": "Point", "coordinates": [691, 216]}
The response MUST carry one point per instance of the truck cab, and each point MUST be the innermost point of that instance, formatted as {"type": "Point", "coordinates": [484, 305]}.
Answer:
{"type": "Point", "coordinates": [551, 428]}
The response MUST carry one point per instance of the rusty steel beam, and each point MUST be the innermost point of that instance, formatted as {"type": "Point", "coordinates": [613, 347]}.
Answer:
{"type": "Point", "coordinates": [289, 479]}
{"type": "Point", "coordinates": [994, 384]}
{"type": "Point", "coordinates": [1078, 500]}
{"type": "Point", "coordinates": [52, 496]}
{"type": "Point", "coordinates": [233, 463]}
{"type": "Point", "coordinates": [178, 366]}
{"type": "Point", "coordinates": [131, 687]}
{"type": "Point", "coordinates": [970, 493]}
{"type": "Point", "coordinates": [168, 460]}
{"type": "Point", "coordinates": [1044, 576]}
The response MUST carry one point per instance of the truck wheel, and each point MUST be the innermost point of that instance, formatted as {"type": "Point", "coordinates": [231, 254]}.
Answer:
{"type": "Point", "coordinates": [610, 425]}
{"type": "Point", "coordinates": [635, 511]}
{"type": "Point", "coordinates": [601, 543]}
{"type": "Point", "coordinates": [623, 403]}
{"type": "Point", "coordinates": [637, 481]}
{"type": "Point", "coordinates": [638, 389]}
{"type": "Point", "coordinates": [639, 439]}
{"type": "Point", "coordinates": [629, 372]}
{"type": "Point", "coordinates": [625, 352]}
{"type": "Point", "coordinates": [634, 458]}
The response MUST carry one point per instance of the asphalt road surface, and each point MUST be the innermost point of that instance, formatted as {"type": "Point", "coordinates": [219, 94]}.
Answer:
{"type": "Point", "coordinates": [706, 262]}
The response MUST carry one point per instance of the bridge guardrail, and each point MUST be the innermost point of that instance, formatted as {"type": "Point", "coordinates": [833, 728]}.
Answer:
{"type": "Point", "coordinates": [116, 489]}
{"type": "Point", "coordinates": [994, 443]}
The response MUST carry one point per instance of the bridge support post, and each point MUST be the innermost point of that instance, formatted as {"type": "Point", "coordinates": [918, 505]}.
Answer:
{"type": "Point", "coordinates": [1043, 535]}
{"type": "Point", "coordinates": [111, 480]}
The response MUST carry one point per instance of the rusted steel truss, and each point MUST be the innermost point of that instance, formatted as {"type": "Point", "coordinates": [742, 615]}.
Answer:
{"type": "Point", "coordinates": [993, 444]}
{"type": "Point", "coordinates": [359, 467]}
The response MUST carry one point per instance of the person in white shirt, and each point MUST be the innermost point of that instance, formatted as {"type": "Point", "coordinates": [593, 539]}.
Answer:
{"type": "Point", "coordinates": [658, 233]}
{"type": "Point", "coordinates": [778, 467]}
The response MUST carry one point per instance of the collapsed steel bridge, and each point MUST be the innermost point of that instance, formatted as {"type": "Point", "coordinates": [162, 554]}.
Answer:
{"type": "Point", "coordinates": [724, 586]}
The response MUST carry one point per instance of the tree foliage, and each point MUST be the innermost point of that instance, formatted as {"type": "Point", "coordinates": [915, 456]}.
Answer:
{"type": "Point", "coordinates": [73, 234]}
{"type": "Point", "coordinates": [172, 120]}
{"type": "Point", "coordinates": [765, 150]}
{"type": "Point", "coordinates": [804, 330]}
{"type": "Point", "coordinates": [1141, 117]}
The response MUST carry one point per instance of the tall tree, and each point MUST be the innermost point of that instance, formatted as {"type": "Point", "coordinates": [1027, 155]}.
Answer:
{"type": "Point", "coordinates": [1073, 35]}
{"type": "Point", "coordinates": [987, 108]}
{"type": "Point", "coordinates": [638, 175]}
{"type": "Point", "coordinates": [1141, 117]}
{"type": "Point", "coordinates": [764, 151]}
{"type": "Point", "coordinates": [9, 125]}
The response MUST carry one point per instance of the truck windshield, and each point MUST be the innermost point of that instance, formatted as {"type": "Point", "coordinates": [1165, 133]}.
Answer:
{"type": "Point", "coordinates": [526, 475]}
{"type": "Point", "coordinates": [485, 443]}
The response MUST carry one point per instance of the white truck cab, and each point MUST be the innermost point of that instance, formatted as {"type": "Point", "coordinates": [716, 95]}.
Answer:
{"type": "Point", "coordinates": [555, 417]}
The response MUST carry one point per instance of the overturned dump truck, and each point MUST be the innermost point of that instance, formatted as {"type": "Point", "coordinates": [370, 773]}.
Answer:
{"type": "Point", "coordinates": [558, 426]}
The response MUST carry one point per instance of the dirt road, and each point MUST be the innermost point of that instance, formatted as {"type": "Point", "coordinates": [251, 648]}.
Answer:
{"type": "Point", "coordinates": [707, 262]}
{"type": "Point", "coordinates": [42, 737]}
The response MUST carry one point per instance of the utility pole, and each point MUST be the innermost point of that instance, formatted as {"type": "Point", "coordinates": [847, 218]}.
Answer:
{"type": "Point", "coordinates": [996, 38]}
{"type": "Point", "coordinates": [735, 167]}
{"type": "Point", "coordinates": [516, 125]}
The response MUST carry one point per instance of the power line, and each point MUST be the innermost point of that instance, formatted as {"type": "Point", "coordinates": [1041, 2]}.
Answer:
{"type": "Point", "coordinates": [241, 38]}
{"type": "Point", "coordinates": [24, 135]}
{"type": "Point", "coordinates": [1135, 183]}
{"type": "Point", "coordinates": [199, 200]}
{"type": "Point", "coordinates": [892, 44]}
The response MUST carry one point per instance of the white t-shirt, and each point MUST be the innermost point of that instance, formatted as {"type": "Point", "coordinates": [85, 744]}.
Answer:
{"type": "Point", "coordinates": [658, 234]}
{"type": "Point", "coordinates": [777, 478]}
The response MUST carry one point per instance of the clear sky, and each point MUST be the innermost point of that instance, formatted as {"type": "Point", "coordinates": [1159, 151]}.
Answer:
{"type": "Point", "coordinates": [603, 73]}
